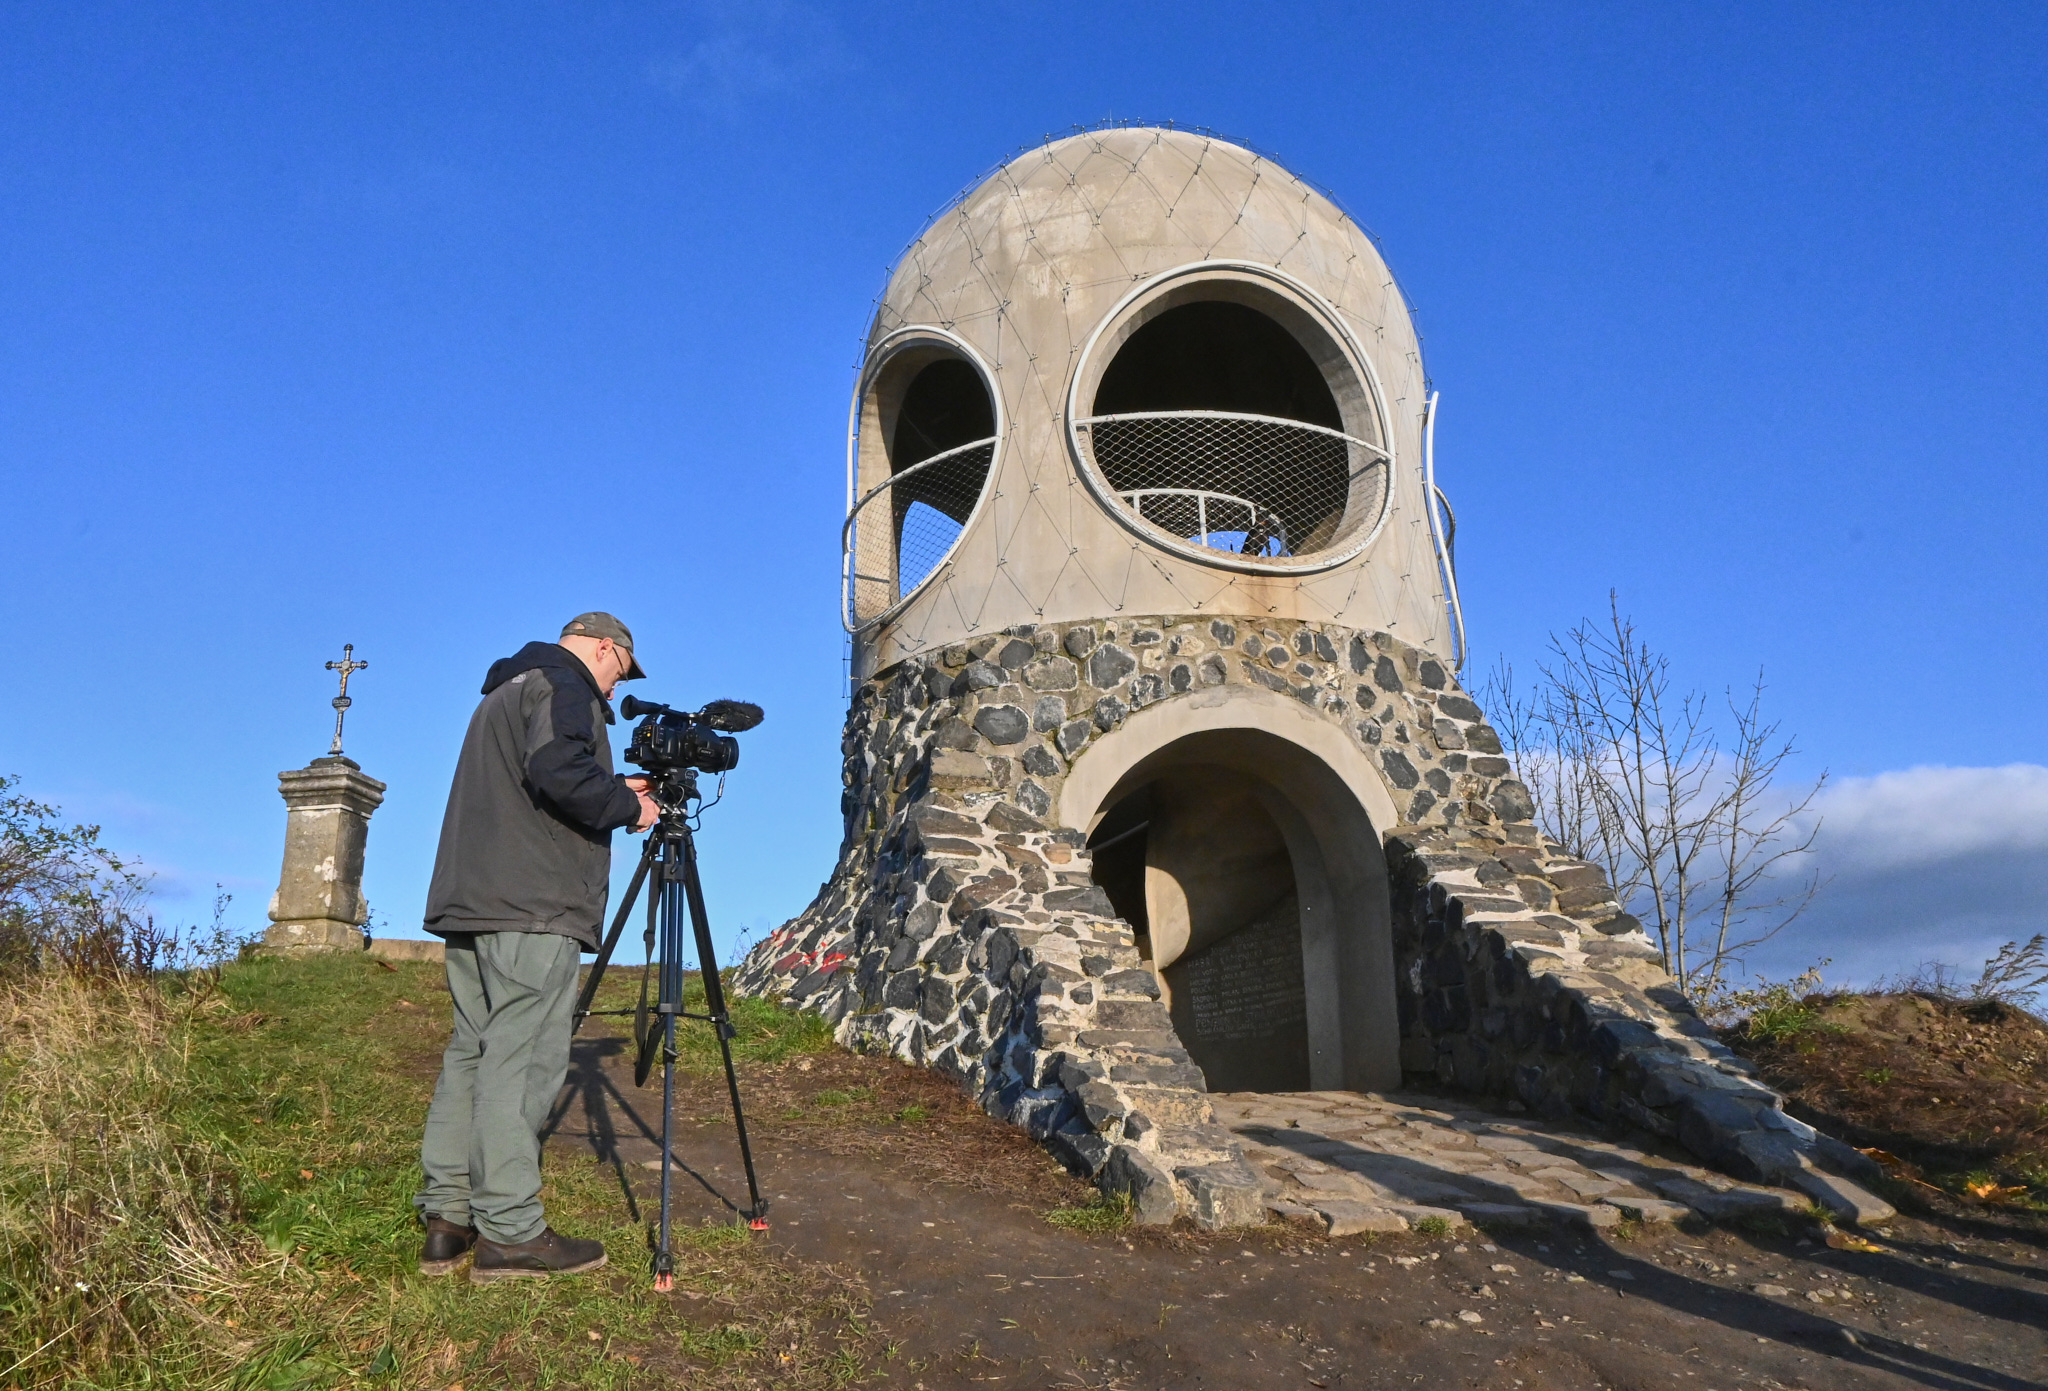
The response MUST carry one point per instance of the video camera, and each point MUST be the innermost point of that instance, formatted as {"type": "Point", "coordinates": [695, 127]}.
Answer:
{"type": "Point", "coordinates": [669, 741]}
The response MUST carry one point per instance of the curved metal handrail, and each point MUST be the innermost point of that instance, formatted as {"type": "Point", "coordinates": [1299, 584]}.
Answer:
{"type": "Point", "coordinates": [879, 355]}
{"type": "Point", "coordinates": [1446, 554]}
{"type": "Point", "coordinates": [1203, 497]}
{"type": "Point", "coordinates": [1368, 445]}
{"type": "Point", "coordinates": [848, 575]}
{"type": "Point", "coordinates": [893, 479]}
{"type": "Point", "coordinates": [1086, 377]}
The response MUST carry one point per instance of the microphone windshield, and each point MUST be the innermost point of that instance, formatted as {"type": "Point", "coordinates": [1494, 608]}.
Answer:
{"type": "Point", "coordinates": [733, 716]}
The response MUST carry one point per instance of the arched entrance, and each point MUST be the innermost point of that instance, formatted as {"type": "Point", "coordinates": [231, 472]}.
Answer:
{"type": "Point", "coordinates": [1195, 862]}
{"type": "Point", "coordinates": [1257, 883]}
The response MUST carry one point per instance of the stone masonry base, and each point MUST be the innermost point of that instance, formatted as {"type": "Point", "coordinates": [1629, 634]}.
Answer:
{"type": "Point", "coordinates": [962, 929]}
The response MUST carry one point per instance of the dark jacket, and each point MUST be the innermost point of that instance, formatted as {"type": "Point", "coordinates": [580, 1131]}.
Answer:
{"type": "Point", "coordinates": [526, 844]}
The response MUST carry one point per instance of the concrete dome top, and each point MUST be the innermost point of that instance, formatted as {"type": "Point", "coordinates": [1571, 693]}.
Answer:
{"type": "Point", "coordinates": [1082, 220]}
{"type": "Point", "coordinates": [1144, 371]}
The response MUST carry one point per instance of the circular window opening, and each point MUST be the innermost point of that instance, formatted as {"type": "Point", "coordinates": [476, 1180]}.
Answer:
{"type": "Point", "coordinates": [927, 438]}
{"type": "Point", "coordinates": [1230, 419]}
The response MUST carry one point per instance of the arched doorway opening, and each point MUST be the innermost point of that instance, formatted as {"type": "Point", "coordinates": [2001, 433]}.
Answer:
{"type": "Point", "coordinates": [1257, 886]}
{"type": "Point", "coordinates": [1195, 862]}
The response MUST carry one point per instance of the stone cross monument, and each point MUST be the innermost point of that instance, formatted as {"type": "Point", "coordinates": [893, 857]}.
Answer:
{"type": "Point", "coordinates": [319, 902]}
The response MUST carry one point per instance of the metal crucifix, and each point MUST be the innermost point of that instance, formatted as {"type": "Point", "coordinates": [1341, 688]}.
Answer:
{"type": "Point", "coordinates": [347, 666]}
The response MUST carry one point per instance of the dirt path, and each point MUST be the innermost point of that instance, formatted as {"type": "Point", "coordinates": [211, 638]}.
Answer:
{"type": "Point", "coordinates": [887, 1174]}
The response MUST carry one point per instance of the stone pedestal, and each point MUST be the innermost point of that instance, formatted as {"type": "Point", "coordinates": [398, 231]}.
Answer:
{"type": "Point", "coordinates": [319, 902]}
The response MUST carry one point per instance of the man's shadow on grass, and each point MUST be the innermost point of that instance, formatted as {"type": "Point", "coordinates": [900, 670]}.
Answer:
{"type": "Point", "coordinates": [605, 1104]}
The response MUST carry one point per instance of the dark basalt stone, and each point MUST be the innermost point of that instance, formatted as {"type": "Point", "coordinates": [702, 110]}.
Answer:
{"type": "Point", "coordinates": [1109, 665]}
{"type": "Point", "coordinates": [1088, 900]}
{"type": "Point", "coordinates": [1481, 739]}
{"type": "Point", "coordinates": [1040, 762]}
{"type": "Point", "coordinates": [1398, 769]}
{"type": "Point", "coordinates": [1001, 724]}
{"type": "Point", "coordinates": [1459, 708]}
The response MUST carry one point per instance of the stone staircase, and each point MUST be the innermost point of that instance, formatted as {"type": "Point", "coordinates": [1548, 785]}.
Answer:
{"type": "Point", "coordinates": [976, 943]}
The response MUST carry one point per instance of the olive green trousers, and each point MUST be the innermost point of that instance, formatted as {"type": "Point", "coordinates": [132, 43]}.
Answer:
{"type": "Point", "coordinates": [515, 995]}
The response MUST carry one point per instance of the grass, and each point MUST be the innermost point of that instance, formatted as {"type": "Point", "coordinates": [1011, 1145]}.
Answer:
{"type": "Point", "coordinates": [206, 1181]}
{"type": "Point", "coordinates": [1102, 1215]}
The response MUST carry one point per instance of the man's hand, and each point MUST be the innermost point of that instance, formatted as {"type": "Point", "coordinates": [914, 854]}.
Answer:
{"type": "Point", "coordinates": [649, 812]}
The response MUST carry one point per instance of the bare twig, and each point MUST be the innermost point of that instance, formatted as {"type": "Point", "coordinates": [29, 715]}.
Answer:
{"type": "Point", "coordinates": [1629, 773]}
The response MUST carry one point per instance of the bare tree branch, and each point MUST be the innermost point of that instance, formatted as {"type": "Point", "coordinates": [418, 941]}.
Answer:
{"type": "Point", "coordinates": [1629, 773]}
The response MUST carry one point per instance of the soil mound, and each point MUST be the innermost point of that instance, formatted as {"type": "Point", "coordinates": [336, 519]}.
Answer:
{"type": "Point", "coordinates": [1957, 1090]}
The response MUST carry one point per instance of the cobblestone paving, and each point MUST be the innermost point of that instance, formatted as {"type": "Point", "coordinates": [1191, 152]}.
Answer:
{"type": "Point", "coordinates": [1361, 1161]}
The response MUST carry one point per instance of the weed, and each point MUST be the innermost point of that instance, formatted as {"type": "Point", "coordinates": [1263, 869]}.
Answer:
{"type": "Point", "coordinates": [1103, 1213]}
{"type": "Point", "coordinates": [1775, 1011]}
{"type": "Point", "coordinates": [1434, 1226]}
{"type": "Point", "coordinates": [913, 1112]}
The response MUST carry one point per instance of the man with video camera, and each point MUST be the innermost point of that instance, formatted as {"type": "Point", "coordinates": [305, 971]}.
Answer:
{"type": "Point", "coordinates": [518, 894]}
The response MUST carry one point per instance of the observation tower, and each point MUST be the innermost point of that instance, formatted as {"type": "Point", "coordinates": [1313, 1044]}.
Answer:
{"type": "Point", "coordinates": [1158, 778]}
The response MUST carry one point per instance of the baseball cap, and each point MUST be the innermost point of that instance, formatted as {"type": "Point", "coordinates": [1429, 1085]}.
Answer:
{"type": "Point", "coordinates": [603, 625]}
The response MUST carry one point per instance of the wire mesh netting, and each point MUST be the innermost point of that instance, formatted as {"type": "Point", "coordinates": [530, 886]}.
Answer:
{"type": "Point", "coordinates": [900, 531]}
{"type": "Point", "coordinates": [1248, 484]}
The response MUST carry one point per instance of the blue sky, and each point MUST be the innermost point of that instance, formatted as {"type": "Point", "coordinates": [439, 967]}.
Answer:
{"type": "Point", "coordinates": [425, 326]}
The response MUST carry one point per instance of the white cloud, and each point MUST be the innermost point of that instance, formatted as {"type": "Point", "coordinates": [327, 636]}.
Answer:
{"type": "Point", "coordinates": [746, 53]}
{"type": "Point", "coordinates": [1924, 864]}
{"type": "Point", "coordinates": [1925, 816]}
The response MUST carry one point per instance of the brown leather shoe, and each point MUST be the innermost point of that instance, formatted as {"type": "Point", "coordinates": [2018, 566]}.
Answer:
{"type": "Point", "coordinates": [547, 1254]}
{"type": "Point", "coordinates": [445, 1247]}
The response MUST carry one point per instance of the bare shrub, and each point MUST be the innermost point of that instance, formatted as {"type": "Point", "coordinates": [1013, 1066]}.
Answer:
{"type": "Point", "coordinates": [2016, 975]}
{"type": "Point", "coordinates": [1630, 773]}
{"type": "Point", "coordinates": [68, 903]}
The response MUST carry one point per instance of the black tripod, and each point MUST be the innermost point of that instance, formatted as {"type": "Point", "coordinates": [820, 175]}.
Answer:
{"type": "Point", "coordinates": [671, 857]}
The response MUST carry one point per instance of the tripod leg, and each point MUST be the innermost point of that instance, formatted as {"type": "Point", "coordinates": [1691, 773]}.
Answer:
{"type": "Point", "coordinates": [611, 938]}
{"type": "Point", "coordinates": [646, 1036]}
{"type": "Point", "coordinates": [669, 1003]}
{"type": "Point", "coordinates": [714, 1005]}
{"type": "Point", "coordinates": [664, 1259]}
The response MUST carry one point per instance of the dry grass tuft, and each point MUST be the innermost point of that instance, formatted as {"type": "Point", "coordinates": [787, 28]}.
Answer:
{"type": "Point", "coordinates": [118, 1226]}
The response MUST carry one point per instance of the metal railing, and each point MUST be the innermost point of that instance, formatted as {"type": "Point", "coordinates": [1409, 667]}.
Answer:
{"type": "Point", "coordinates": [1300, 488]}
{"type": "Point", "coordinates": [1263, 533]}
{"type": "Point", "coordinates": [1443, 537]}
{"type": "Point", "coordinates": [888, 551]}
